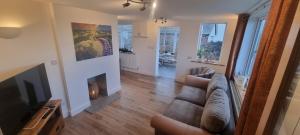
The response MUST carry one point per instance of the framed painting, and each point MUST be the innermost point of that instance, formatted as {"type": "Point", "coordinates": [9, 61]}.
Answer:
{"type": "Point", "coordinates": [91, 40]}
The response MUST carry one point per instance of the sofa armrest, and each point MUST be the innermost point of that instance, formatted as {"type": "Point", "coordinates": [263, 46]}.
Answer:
{"type": "Point", "coordinates": [169, 126]}
{"type": "Point", "coordinates": [198, 82]}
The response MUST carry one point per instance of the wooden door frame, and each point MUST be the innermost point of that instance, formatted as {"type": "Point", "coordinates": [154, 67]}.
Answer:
{"type": "Point", "coordinates": [236, 44]}
{"type": "Point", "coordinates": [285, 85]}
{"type": "Point", "coordinates": [270, 50]}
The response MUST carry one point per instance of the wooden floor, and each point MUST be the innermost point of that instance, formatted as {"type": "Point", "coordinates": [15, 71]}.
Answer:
{"type": "Point", "coordinates": [141, 98]}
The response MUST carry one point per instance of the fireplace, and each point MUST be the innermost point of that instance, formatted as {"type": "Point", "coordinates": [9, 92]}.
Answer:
{"type": "Point", "coordinates": [97, 86]}
{"type": "Point", "coordinates": [98, 93]}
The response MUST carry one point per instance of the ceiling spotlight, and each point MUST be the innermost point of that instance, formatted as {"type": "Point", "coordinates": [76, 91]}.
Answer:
{"type": "Point", "coordinates": [154, 5]}
{"type": "Point", "coordinates": [127, 4]}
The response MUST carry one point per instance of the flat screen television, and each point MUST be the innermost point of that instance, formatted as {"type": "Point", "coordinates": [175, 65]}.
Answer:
{"type": "Point", "coordinates": [21, 96]}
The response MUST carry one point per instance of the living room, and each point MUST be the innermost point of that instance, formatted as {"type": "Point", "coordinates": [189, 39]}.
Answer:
{"type": "Point", "coordinates": [104, 78]}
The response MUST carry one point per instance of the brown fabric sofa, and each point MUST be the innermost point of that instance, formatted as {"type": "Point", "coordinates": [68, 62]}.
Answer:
{"type": "Point", "coordinates": [202, 108]}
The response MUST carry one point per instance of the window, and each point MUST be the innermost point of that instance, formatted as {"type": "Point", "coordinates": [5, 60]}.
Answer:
{"type": "Point", "coordinates": [211, 41]}
{"type": "Point", "coordinates": [247, 54]}
{"type": "Point", "coordinates": [168, 39]}
{"type": "Point", "coordinates": [125, 37]}
{"type": "Point", "coordinates": [253, 51]}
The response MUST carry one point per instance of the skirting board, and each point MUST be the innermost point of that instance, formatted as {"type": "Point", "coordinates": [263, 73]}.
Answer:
{"type": "Point", "coordinates": [88, 104]}
{"type": "Point", "coordinates": [114, 90]}
{"type": "Point", "coordinates": [140, 72]}
{"type": "Point", "coordinates": [79, 109]}
{"type": "Point", "coordinates": [65, 113]}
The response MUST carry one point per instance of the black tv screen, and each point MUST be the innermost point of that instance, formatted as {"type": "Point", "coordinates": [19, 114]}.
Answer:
{"type": "Point", "coordinates": [21, 96]}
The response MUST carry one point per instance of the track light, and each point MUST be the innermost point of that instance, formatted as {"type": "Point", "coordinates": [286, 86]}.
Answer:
{"type": "Point", "coordinates": [154, 5]}
{"type": "Point", "coordinates": [127, 4]}
{"type": "Point", "coordinates": [161, 19]}
{"type": "Point", "coordinates": [143, 8]}
{"type": "Point", "coordinates": [142, 2]}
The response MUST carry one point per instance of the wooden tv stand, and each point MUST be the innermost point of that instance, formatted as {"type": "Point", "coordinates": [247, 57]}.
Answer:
{"type": "Point", "coordinates": [47, 121]}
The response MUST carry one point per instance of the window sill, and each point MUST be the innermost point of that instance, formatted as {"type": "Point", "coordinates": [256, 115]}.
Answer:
{"type": "Point", "coordinates": [128, 53]}
{"type": "Point", "coordinates": [236, 98]}
{"type": "Point", "coordinates": [239, 85]}
{"type": "Point", "coordinates": [207, 62]}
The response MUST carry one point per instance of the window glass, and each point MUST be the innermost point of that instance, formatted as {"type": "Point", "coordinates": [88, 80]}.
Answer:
{"type": "Point", "coordinates": [247, 54]}
{"type": "Point", "coordinates": [211, 41]}
{"type": "Point", "coordinates": [253, 51]}
{"type": "Point", "coordinates": [125, 37]}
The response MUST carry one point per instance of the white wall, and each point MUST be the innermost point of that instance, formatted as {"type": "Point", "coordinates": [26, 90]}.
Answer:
{"type": "Point", "coordinates": [77, 73]}
{"type": "Point", "coordinates": [187, 46]}
{"type": "Point", "coordinates": [146, 48]}
{"type": "Point", "coordinates": [35, 45]}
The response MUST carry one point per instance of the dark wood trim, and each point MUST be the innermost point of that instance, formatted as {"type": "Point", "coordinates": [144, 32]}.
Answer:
{"type": "Point", "coordinates": [236, 44]}
{"type": "Point", "coordinates": [283, 89]}
{"type": "Point", "coordinates": [236, 99]}
{"type": "Point", "coordinates": [270, 50]}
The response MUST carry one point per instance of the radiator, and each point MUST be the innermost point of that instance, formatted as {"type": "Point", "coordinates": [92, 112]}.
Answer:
{"type": "Point", "coordinates": [128, 61]}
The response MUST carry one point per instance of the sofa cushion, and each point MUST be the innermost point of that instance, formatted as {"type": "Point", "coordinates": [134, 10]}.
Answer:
{"type": "Point", "coordinates": [204, 72]}
{"type": "Point", "coordinates": [216, 113]}
{"type": "Point", "coordinates": [208, 73]}
{"type": "Point", "coordinates": [193, 95]}
{"type": "Point", "coordinates": [218, 81]}
{"type": "Point", "coordinates": [185, 112]}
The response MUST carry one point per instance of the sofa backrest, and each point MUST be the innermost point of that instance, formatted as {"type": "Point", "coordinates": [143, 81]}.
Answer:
{"type": "Point", "coordinates": [218, 81]}
{"type": "Point", "coordinates": [230, 128]}
{"type": "Point", "coordinates": [216, 112]}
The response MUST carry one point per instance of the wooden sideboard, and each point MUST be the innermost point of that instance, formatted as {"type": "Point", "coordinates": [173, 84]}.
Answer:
{"type": "Point", "coordinates": [47, 121]}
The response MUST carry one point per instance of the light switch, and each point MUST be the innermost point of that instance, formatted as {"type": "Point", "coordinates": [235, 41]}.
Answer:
{"type": "Point", "coordinates": [53, 62]}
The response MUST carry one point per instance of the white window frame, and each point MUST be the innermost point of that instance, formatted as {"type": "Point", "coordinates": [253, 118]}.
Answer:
{"type": "Point", "coordinates": [254, 47]}
{"type": "Point", "coordinates": [175, 38]}
{"type": "Point", "coordinates": [120, 38]}
{"type": "Point", "coordinates": [199, 42]}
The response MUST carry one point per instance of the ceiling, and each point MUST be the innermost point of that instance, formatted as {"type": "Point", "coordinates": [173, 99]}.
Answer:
{"type": "Point", "coordinates": [166, 8]}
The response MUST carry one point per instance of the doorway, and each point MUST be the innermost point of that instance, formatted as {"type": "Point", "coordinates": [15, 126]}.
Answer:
{"type": "Point", "coordinates": [168, 42]}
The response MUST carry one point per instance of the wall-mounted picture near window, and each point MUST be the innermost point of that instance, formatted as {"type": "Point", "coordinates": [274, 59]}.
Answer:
{"type": "Point", "coordinates": [91, 40]}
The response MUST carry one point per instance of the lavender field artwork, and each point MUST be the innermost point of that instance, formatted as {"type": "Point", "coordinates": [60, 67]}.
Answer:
{"type": "Point", "coordinates": [91, 40]}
